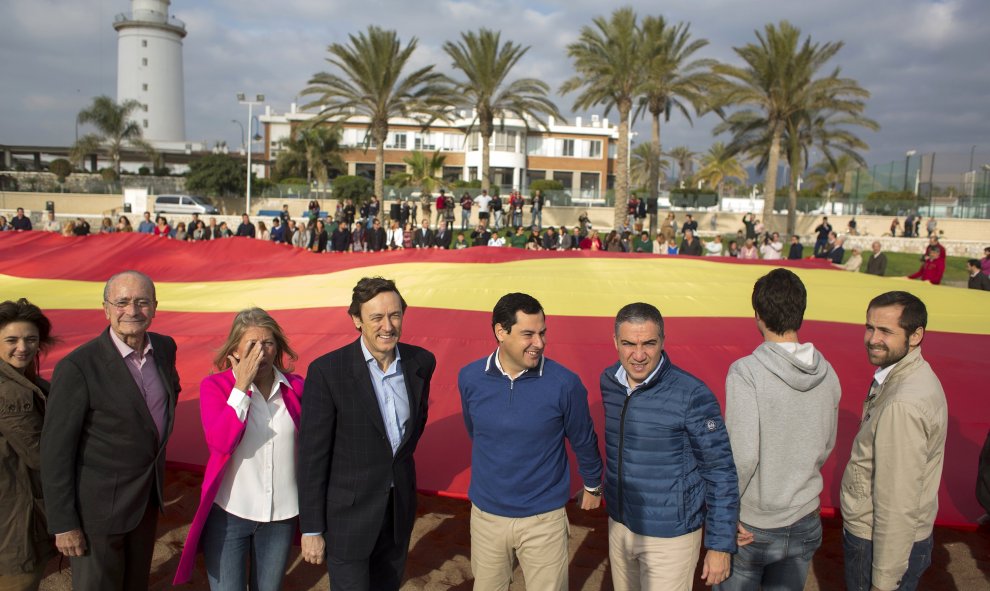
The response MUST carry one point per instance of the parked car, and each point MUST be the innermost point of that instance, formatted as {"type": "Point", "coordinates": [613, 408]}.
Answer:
{"type": "Point", "coordinates": [183, 204]}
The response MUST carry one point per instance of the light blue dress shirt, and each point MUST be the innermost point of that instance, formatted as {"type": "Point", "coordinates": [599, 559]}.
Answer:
{"type": "Point", "coordinates": [392, 396]}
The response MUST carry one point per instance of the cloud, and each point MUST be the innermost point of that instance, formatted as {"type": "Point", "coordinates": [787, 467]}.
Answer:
{"type": "Point", "coordinates": [923, 60]}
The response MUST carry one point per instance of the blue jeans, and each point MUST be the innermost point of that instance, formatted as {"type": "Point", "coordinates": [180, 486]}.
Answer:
{"type": "Point", "coordinates": [227, 540]}
{"type": "Point", "coordinates": [778, 559]}
{"type": "Point", "coordinates": [537, 219]}
{"type": "Point", "coordinates": [858, 554]}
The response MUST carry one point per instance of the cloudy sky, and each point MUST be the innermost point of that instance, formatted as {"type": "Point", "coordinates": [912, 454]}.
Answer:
{"type": "Point", "coordinates": [924, 61]}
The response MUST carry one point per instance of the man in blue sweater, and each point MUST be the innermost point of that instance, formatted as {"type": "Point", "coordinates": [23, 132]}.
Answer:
{"type": "Point", "coordinates": [669, 468]}
{"type": "Point", "coordinates": [519, 407]}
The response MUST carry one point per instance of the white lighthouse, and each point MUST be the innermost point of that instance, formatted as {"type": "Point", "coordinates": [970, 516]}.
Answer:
{"type": "Point", "coordinates": [149, 70]}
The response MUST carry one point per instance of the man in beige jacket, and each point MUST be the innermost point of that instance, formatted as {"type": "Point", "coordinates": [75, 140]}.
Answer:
{"type": "Point", "coordinates": [889, 493]}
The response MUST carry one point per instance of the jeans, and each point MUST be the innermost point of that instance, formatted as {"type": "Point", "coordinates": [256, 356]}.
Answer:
{"type": "Point", "coordinates": [498, 219]}
{"type": "Point", "coordinates": [858, 554]}
{"type": "Point", "coordinates": [516, 217]}
{"type": "Point", "coordinates": [227, 541]}
{"type": "Point", "coordinates": [778, 559]}
{"type": "Point", "coordinates": [465, 218]}
{"type": "Point", "coordinates": [537, 219]}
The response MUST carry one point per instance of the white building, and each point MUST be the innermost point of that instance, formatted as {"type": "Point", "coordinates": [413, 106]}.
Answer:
{"type": "Point", "coordinates": [580, 155]}
{"type": "Point", "coordinates": [149, 70]}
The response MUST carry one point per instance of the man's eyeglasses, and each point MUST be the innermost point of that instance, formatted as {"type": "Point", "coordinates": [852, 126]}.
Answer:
{"type": "Point", "coordinates": [125, 303]}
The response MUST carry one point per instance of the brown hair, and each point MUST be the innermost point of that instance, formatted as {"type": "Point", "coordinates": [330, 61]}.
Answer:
{"type": "Point", "coordinates": [369, 287]}
{"type": "Point", "coordinates": [24, 311]}
{"type": "Point", "coordinates": [255, 317]}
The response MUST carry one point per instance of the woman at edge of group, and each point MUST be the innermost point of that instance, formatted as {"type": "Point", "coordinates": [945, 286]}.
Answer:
{"type": "Point", "coordinates": [252, 404]}
{"type": "Point", "coordinates": [26, 547]}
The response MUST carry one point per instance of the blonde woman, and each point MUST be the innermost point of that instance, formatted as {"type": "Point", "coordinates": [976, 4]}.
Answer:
{"type": "Point", "coordinates": [249, 503]}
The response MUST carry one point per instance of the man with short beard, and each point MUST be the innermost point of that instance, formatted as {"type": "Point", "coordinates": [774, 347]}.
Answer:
{"type": "Point", "coordinates": [889, 492]}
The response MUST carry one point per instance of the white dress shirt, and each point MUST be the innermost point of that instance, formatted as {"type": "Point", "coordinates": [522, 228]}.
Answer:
{"type": "Point", "coordinates": [259, 483]}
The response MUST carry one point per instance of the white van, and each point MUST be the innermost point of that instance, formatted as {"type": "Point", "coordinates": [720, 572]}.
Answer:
{"type": "Point", "coordinates": [183, 204]}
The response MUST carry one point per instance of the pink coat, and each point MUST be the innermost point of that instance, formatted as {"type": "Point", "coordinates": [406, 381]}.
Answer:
{"type": "Point", "coordinates": [223, 434]}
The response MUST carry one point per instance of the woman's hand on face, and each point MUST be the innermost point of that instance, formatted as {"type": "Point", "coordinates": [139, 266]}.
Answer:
{"type": "Point", "coordinates": [246, 368]}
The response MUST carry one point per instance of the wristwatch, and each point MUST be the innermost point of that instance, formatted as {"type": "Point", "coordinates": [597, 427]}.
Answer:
{"type": "Point", "coordinates": [595, 492]}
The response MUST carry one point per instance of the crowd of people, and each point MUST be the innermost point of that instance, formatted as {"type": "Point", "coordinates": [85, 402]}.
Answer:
{"type": "Point", "coordinates": [353, 229]}
{"type": "Point", "coordinates": [331, 454]}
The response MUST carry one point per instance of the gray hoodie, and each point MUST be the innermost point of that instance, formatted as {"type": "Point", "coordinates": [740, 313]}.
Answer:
{"type": "Point", "coordinates": [781, 413]}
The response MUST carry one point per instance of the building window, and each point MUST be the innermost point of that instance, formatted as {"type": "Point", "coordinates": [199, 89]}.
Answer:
{"type": "Point", "coordinates": [504, 141]}
{"type": "Point", "coordinates": [594, 149]}
{"type": "Point", "coordinates": [398, 141]}
{"type": "Point", "coordinates": [146, 124]}
{"type": "Point", "coordinates": [144, 43]}
{"type": "Point", "coordinates": [144, 61]}
{"type": "Point", "coordinates": [534, 175]}
{"type": "Point", "coordinates": [473, 142]}
{"type": "Point", "coordinates": [589, 185]}
{"type": "Point", "coordinates": [566, 147]}
{"type": "Point", "coordinates": [145, 107]}
{"type": "Point", "coordinates": [564, 177]}
{"type": "Point", "coordinates": [144, 87]}
{"type": "Point", "coordinates": [424, 141]}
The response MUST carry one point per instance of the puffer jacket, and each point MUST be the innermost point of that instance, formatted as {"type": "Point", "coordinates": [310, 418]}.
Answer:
{"type": "Point", "coordinates": [669, 467]}
{"type": "Point", "coordinates": [24, 539]}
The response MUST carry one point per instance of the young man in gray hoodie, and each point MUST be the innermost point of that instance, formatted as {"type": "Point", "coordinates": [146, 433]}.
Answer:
{"type": "Point", "coordinates": [781, 413]}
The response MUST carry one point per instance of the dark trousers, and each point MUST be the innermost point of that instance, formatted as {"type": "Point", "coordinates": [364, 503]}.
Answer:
{"type": "Point", "coordinates": [382, 571]}
{"type": "Point", "coordinates": [117, 561]}
{"type": "Point", "coordinates": [858, 554]}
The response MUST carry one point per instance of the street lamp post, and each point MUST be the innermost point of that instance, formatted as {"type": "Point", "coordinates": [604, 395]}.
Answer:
{"type": "Point", "coordinates": [907, 161]}
{"type": "Point", "coordinates": [241, 125]}
{"type": "Point", "coordinates": [242, 99]}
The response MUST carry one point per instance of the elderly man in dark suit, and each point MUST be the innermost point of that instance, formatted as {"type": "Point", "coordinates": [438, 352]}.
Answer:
{"type": "Point", "coordinates": [364, 410]}
{"type": "Point", "coordinates": [108, 419]}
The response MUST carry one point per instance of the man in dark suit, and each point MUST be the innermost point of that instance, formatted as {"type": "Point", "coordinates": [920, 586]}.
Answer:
{"type": "Point", "coordinates": [376, 236]}
{"type": "Point", "coordinates": [107, 421]}
{"type": "Point", "coordinates": [364, 410]}
{"type": "Point", "coordinates": [423, 237]}
{"type": "Point", "coordinates": [442, 237]}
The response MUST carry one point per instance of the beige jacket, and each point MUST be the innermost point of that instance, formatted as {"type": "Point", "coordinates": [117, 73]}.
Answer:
{"type": "Point", "coordinates": [889, 491]}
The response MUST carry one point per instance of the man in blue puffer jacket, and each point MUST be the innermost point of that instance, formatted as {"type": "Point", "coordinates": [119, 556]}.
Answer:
{"type": "Point", "coordinates": [669, 468]}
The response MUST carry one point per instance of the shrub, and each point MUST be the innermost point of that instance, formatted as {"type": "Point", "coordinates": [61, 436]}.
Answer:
{"type": "Point", "coordinates": [546, 185]}
{"type": "Point", "coordinates": [691, 198]}
{"type": "Point", "coordinates": [61, 168]}
{"type": "Point", "coordinates": [888, 201]}
{"type": "Point", "coordinates": [357, 188]}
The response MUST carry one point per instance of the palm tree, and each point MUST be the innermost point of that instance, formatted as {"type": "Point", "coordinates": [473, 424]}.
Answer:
{"type": "Point", "coordinates": [645, 166]}
{"type": "Point", "coordinates": [827, 175]}
{"type": "Point", "coordinates": [684, 158]}
{"type": "Point", "coordinates": [824, 129]}
{"type": "Point", "coordinates": [718, 165]}
{"type": "Point", "coordinates": [608, 59]}
{"type": "Point", "coordinates": [315, 149]}
{"type": "Point", "coordinates": [115, 130]}
{"type": "Point", "coordinates": [372, 85]}
{"type": "Point", "coordinates": [778, 83]}
{"type": "Point", "coordinates": [486, 63]}
{"type": "Point", "coordinates": [672, 81]}
{"type": "Point", "coordinates": [422, 174]}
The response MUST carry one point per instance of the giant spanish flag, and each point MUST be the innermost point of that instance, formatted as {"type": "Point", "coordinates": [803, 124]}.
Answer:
{"type": "Point", "coordinates": [451, 294]}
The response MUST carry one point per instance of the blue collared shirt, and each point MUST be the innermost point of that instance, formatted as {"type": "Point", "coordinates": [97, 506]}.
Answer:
{"type": "Point", "coordinates": [392, 396]}
{"type": "Point", "coordinates": [623, 378]}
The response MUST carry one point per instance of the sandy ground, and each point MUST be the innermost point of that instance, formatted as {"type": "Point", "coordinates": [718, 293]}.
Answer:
{"type": "Point", "coordinates": [439, 552]}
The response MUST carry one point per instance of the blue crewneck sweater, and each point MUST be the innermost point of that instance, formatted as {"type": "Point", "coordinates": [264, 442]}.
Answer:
{"type": "Point", "coordinates": [518, 458]}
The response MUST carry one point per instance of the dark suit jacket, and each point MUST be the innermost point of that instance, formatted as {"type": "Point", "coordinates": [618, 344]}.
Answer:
{"type": "Point", "coordinates": [101, 459]}
{"type": "Point", "coordinates": [422, 241]}
{"type": "Point", "coordinates": [376, 239]}
{"type": "Point", "coordinates": [345, 459]}
{"type": "Point", "coordinates": [442, 238]}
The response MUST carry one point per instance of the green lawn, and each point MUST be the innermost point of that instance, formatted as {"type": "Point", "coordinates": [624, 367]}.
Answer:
{"type": "Point", "coordinates": [901, 264]}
